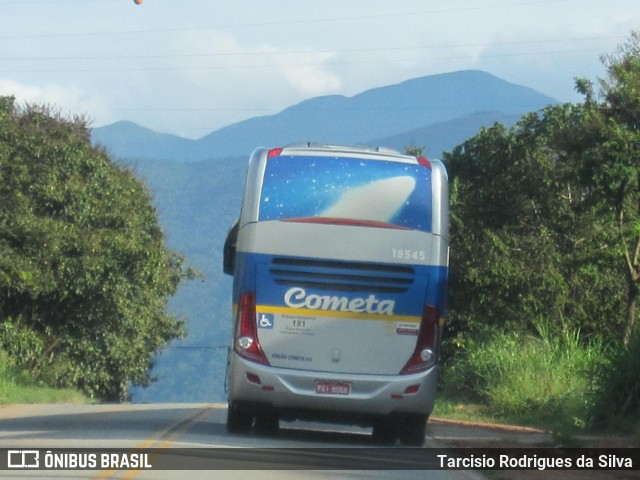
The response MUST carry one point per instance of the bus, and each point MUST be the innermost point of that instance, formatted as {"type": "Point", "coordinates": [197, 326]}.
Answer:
{"type": "Point", "coordinates": [340, 263]}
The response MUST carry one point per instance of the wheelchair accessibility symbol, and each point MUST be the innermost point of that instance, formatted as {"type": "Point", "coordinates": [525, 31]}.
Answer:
{"type": "Point", "coordinates": [265, 320]}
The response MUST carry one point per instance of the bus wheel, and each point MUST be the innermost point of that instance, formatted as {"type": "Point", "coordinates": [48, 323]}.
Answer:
{"type": "Point", "coordinates": [239, 420]}
{"type": "Point", "coordinates": [385, 432]}
{"type": "Point", "coordinates": [267, 424]}
{"type": "Point", "coordinates": [413, 429]}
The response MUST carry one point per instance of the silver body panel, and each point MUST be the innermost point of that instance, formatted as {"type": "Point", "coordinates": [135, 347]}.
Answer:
{"type": "Point", "coordinates": [290, 390]}
{"type": "Point", "coordinates": [295, 389]}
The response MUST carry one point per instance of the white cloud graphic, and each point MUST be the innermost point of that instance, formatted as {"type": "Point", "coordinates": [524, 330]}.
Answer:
{"type": "Point", "coordinates": [377, 201]}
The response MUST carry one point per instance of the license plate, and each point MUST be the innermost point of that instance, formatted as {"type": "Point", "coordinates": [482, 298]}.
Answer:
{"type": "Point", "coordinates": [333, 388]}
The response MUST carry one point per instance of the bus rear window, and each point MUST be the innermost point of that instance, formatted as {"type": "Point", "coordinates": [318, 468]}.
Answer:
{"type": "Point", "coordinates": [349, 190]}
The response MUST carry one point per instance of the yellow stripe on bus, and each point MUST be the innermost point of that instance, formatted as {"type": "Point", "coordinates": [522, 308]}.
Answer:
{"type": "Point", "coordinates": [337, 314]}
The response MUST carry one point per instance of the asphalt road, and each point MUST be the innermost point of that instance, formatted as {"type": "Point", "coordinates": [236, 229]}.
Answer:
{"type": "Point", "coordinates": [201, 429]}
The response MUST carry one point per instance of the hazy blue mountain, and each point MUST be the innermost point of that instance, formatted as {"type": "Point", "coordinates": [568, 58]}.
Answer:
{"type": "Point", "coordinates": [197, 203]}
{"type": "Point", "coordinates": [374, 114]}
{"type": "Point", "coordinates": [129, 140]}
{"type": "Point", "coordinates": [380, 112]}
{"type": "Point", "coordinates": [197, 188]}
{"type": "Point", "coordinates": [441, 137]}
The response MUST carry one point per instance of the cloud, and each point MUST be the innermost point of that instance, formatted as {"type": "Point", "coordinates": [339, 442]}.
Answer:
{"type": "Point", "coordinates": [308, 72]}
{"type": "Point", "coordinates": [208, 79]}
{"type": "Point", "coordinates": [220, 60]}
{"type": "Point", "coordinates": [69, 100]}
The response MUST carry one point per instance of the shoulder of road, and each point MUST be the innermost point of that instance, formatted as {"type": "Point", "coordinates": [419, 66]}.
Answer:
{"type": "Point", "coordinates": [460, 433]}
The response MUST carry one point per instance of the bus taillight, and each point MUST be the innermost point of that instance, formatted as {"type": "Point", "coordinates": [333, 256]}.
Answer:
{"type": "Point", "coordinates": [425, 354]}
{"type": "Point", "coordinates": [246, 341]}
{"type": "Point", "coordinates": [424, 162]}
{"type": "Point", "coordinates": [274, 152]}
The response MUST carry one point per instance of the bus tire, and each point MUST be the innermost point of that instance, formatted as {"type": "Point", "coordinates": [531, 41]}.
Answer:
{"type": "Point", "coordinates": [413, 429]}
{"type": "Point", "coordinates": [267, 424]}
{"type": "Point", "coordinates": [385, 432]}
{"type": "Point", "coordinates": [239, 420]}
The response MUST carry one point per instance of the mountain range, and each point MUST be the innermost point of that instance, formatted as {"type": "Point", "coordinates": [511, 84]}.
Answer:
{"type": "Point", "coordinates": [197, 187]}
{"type": "Point", "coordinates": [411, 109]}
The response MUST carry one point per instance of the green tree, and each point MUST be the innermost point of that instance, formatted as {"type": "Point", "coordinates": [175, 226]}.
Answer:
{"type": "Point", "coordinates": [612, 165]}
{"type": "Point", "coordinates": [546, 231]}
{"type": "Point", "coordinates": [527, 242]}
{"type": "Point", "coordinates": [84, 273]}
{"type": "Point", "coordinates": [547, 213]}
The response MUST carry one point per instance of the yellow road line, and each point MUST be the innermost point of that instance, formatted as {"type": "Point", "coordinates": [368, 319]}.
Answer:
{"type": "Point", "coordinates": [161, 439]}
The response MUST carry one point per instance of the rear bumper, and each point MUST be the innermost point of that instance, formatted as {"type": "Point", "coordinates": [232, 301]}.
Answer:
{"type": "Point", "coordinates": [292, 393]}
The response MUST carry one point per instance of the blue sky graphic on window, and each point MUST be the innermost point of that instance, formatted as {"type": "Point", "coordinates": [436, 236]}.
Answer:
{"type": "Point", "coordinates": [347, 188]}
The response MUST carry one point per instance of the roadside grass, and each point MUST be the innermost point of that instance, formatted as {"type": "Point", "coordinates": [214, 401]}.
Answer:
{"type": "Point", "coordinates": [451, 408]}
{"type": "Point", "coordinates": [617, 404]}
{"type": "Point", "coordinates": [546, 380]}
{"type": "Point", "coordinates": [17, 386]}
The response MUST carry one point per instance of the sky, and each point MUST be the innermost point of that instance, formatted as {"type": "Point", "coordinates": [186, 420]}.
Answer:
{"type": "Point", "coordinates": [190, 67]}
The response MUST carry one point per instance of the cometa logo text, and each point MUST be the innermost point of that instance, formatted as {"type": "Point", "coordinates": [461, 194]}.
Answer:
{"type": "Point", "coordinates": [298, 298]}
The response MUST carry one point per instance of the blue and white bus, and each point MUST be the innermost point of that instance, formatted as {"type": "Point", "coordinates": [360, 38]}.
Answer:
{"type": "Point", "coordinates": [340, 262]}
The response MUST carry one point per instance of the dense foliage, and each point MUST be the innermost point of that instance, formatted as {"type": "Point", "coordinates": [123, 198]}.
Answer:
{"type": "Point", "coordinates": [546, 218]}
{"type": "Point", "coordinates": [84, 273]}
{"type": "Point", "coordinates": [528, 239]}
{"type": "Point", "coordinates": [546, 228]}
